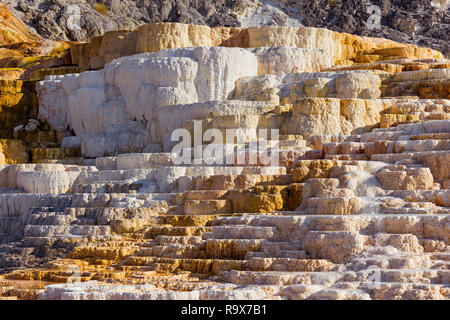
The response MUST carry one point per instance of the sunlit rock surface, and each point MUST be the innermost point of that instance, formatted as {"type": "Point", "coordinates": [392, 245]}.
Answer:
{"type": "Point", "coordinates": [342, 48]}
{"type": "Point", "coordinates": [357, 205]}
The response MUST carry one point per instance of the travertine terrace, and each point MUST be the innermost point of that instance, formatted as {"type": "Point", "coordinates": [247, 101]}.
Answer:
{"type": "Point", "coordinates": [93, 207]}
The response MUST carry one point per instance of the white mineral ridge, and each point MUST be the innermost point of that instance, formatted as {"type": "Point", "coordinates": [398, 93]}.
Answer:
{"type": "Point", "coordinates": [130, 88]}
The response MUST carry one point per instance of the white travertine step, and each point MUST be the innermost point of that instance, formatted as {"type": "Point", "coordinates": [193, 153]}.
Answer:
{"type": "Point", "coordinates": [50, 218]}
{"type": "Point", "coordinates": [62, 231]}
{"type": "Point", "coordinates": [243, 232]}
{"type": "Point", "coordinates": [141, 186]}
{"type": "Point", "coordinates": [289, 264]}
{"type": "Point", "coordinates": [395, 157]}
{"type": "Point", "coordinates": [282, 278]}
{"type": "Point", "coordinates": [402, 211]}
{"type": "Point", "coordinates": [403, 130]}
{"type": "Point", "coordinates": [418, 145]}
{"type": "Point", "coordinates": [292, 226]}
{"type": "Point", "coordinates": [142, 160]}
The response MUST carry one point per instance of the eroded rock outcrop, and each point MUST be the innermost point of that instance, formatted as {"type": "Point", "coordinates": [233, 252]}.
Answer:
{"type": "Point", "coordinates": [354, 206]}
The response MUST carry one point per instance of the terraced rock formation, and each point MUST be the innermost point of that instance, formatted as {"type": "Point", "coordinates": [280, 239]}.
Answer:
{"type": "Point", "coordinates": [343, 48]}
{"type": "Point", "coordinates": [356, 205]}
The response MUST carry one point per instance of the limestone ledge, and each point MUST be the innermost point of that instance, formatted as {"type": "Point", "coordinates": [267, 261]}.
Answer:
{"type": "Point", "coordinates": [343, 48]}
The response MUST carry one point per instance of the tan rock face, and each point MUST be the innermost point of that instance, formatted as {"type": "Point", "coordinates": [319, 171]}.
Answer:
{"type": "Point", "coordinates": [231, 248]}
{"type": "Point", "coordinates": [266, 199]}
{"type": "Point", "coordinates": [104, 49]}
{"type": "Point", "coordinates": [342, 48]}
{"type": "Point", "coordinates": [438, 164]}
{"type": "Point", "coordinates": [412, 179]}
{"type": "Point", "coordinates": [403, 242]}
{"type": "Point", "coordinates": [335, 205]}
{"type": "Point", "coordinates": [307, 169]}
{"type": "Point", "coordinates": [317, 116]}
{"type": "Point", "coordinates": [157, 36]}
{"type": "Point", "coordinates": [365, 86]}
{"type": "Point", "coordinates": [331, 116]}
{"type": "Point", "coordinates": [338, 247]}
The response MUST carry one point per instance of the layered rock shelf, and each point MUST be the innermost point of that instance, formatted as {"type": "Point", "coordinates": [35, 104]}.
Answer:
{"type": "Point", "coordinates": [356, 205]}
{"type": "Point", "coordinates": [342, 48]}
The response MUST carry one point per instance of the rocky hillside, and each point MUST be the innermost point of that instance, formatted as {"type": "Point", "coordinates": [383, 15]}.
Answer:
{"type": "Point", "coordinates": [49, 17]}
{"type": "Point", "coordinates": [13, 30]}
{"type": "Point", "coordinates": [423, 22]}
